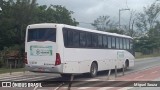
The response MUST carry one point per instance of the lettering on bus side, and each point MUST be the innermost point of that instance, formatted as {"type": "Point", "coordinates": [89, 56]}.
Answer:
{"type": "Point", "coordinates": [120, 54]}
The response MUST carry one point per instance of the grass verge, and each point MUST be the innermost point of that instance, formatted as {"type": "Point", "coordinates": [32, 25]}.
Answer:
{"type": "Point", "coordinates": [147, 56]}
{"type": "Point", "coordinates": [7, 70]}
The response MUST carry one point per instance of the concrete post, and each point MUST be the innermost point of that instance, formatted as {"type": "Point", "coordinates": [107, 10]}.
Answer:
{"type": "Point", "coordinates": [115, 71]}
{"type": "Point", "coordinates": [123, 70]}
{"type": "Point", "coordinates": [10, 69]}
{"type": "Point", "coordinates": [70, 83]}
{"type": "Point", "coordinates": [109, 74]}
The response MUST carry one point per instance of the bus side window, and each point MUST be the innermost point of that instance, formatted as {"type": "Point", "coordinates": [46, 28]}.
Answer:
{"type": "Point", "coordinates": [105, 42]}
{"type": "Point", "coordinates": [70, 38]}
{"type": "Point", "coordinates": [65, 37]}
{"type": "Point", "coordinates": [124, 44]}
{"type": "Point", "coordinates": [131, 44]}
{"type": "Point", "coordinates": [75, 38]}
{"type": "Point", "coordinates": [100, 41]}
{"type": "Point", "coordinates": [117, 43]}
{"type": "Point", "coordinates": [127, 43]}
{"type": "Point", "coordinates": [94, 40]}
{"type": "Point", "coordinates": [109, 42]}
{"type": "Point", "coordinates": [82, 39]}
{"type": "Point", "coordinates": [88, 39]}
{"type": "Point", "coordinates": [120, 43]}
{"type": "Point", "coordinates": [113, 42]}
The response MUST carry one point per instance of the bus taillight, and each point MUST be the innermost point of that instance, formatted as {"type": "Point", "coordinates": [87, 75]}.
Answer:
{"type": "Point", "coordinates": [25, 58]}
{"type": "Point", "coordinates": [58, 59]}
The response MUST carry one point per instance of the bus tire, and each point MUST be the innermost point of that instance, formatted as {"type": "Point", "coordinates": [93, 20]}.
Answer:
{"type": "Point", "coordinates": [93, 69]}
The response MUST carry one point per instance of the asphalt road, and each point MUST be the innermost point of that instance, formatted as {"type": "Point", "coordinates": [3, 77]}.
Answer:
{"type": "Point", "coordinates": [144, 63]}
{"type": "Point", "coordinates": [140, 65]}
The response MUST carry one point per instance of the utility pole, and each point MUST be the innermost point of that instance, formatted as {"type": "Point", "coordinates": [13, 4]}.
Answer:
{"type": "Point", "coordinates": [0, 9]}
{"type": "Point", "coordinates": [120, 16]}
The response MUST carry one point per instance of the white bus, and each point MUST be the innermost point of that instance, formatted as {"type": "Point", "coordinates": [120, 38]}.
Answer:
{"type": "Point", "coordinates": [65, 49]}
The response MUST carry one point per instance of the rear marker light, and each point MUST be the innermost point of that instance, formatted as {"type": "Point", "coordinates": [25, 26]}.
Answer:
{"type": "Point", "coordinates": [58, 59]}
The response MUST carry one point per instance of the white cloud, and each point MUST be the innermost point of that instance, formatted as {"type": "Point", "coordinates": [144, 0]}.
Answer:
{"type": "Point", "coordinates": [88, 10]}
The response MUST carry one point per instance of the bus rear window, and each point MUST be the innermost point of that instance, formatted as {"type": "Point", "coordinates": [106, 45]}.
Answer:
{"type": "Point", "coordinates": [42, 34]}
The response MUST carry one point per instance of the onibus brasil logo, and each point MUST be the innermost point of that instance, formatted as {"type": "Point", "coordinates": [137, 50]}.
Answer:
{"type": "Point", "coordinates": [20, 84]}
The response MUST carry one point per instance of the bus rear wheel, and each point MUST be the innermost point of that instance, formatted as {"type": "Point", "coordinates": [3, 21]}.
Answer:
{"type": "Point", "coordinates": [93, 70]}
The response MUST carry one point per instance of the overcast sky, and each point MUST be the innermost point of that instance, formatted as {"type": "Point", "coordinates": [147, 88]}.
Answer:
{"type": "Point", "coordinates": [88, 10]}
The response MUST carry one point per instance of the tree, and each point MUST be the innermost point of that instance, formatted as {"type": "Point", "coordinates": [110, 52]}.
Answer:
{"type": "Point", "coordinates": [116, 31]}
{"type": "Point", "coordinates": [102, 23]}
{"type": "Point", "coordinates": [55, 14]}
{"type": "Point", "coordinates": [131, 31]}
{"type": "Point", "coordinates": [154, 35]}
{"type": "Point", "coordinates": [144, 44]}
{"type": "Point", "coordinates": [18, 14]}
{"type": "Point", "coordinates": [147, 19]}
{"type": "Point", "coordinates": [147, 24]}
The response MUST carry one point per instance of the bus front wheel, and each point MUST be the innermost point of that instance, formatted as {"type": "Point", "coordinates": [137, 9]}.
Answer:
{"type": "Point", "coordinates": [93, 69]}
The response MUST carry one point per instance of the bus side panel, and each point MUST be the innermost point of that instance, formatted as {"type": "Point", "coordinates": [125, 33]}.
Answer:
{"type": "Point", "coordinates": [76, 60]}
{"type": "Point", "coordinates": [81, 59]}
{"type": "Point", "coordinates": [130, 57]}
{"type": "Point", "coordinates": [71, 67]}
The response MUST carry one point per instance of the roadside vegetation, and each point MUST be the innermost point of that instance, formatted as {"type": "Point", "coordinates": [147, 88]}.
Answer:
{"type": "Point", "coordinates": [147, 56]}
{"type": "Point", "coordinates": [8, 70]}
{"type": "Point", "coordinates": [14, 18]}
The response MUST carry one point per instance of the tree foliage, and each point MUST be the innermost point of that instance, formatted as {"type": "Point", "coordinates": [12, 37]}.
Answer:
{"type": "Point", "coordinates": [104, 23]}
{"type": "Point", "coordinates": [147, 19]}
{"type": "Point", "coordinates": [17, 14]}
{"type": "Point", "coordinates": [143, 26]}
{"type": "Point", "coordinates": [148, 26]}
{"type": "Point", "coordinates": [101, 23]}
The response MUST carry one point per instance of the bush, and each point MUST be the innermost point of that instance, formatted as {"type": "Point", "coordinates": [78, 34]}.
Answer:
{"type": "Point", "coordinates": [1, 63]}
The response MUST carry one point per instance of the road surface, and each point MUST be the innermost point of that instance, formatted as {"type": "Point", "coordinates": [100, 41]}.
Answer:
{"type": "Point", "coordinates": [147, 69]}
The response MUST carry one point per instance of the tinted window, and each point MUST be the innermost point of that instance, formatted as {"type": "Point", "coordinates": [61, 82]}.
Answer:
{"type": "Point", "coordinates": [76, 38]}
{"type": "Point", "coordinates": [100, 41]}
{"type": "Point", "coordinates": [117, 43]}
{"type": "Point", "coordinates": [79, 39]}
{"type": "Point", "coordinates": [124, 44]}
{"type": "Point", "coordinates": [127, 42]}
{"type": "Point", "coordinates": [70, 38]}
{"type": "Point", "coordinates": [65, 37]}
{"type": "Point", "coordinates": [94, 40]}
{"type": "Point", "coordinates": [113, 42]}
{"type": "Point", "coordinates": [121, 43]}
{"type": "Point", "coordinates": [88, 39]}
{"type": "Point", "coordinates": [42, 34]}
{"type": "Point", "coordinates": [131, 44]}
{"type": "Point", "coordinates": [109, 42]}
{"type": "Point", "coordinates": [105, 42]}
{"type": "Point", "coordinates": [82, 39]}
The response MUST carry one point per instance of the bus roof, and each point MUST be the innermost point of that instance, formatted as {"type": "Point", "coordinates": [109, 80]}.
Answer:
{"type": "Point", "coordinates": [41, 25]}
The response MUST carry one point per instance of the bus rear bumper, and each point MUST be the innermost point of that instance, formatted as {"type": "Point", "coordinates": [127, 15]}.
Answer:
{"type": "Point", "coordinates": [44, 69]}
